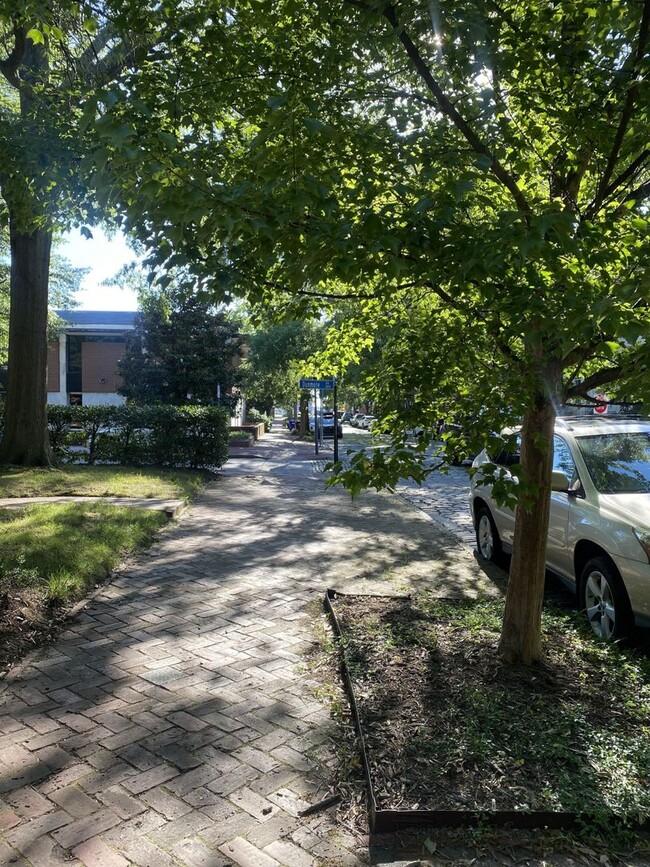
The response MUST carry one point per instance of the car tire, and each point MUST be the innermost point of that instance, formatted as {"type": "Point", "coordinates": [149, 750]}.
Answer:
{"type": "Point", "coordinates": [488, 542]}
{"type": "Point", "coordinates": [605, 601]}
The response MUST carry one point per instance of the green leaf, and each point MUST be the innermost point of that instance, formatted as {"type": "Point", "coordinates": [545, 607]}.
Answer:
{"type": "Point", "coordinates": [275, 102]}
{"type": "Point", "coordinates": [313, 124]}
{"type": "Point", "coordinates": [35, 35]}
{"type": "Point", "coordinates": [483, 161]}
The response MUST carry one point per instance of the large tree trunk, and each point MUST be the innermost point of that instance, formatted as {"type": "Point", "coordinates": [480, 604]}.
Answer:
{"type": "Point", "coordinates": [25, 440]}
{"type": "Point", "coordinates": [521, 635]}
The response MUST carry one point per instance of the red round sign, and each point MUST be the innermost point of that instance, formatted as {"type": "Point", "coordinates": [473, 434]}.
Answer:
{"type": "Point", "coordinates": [601, 408]}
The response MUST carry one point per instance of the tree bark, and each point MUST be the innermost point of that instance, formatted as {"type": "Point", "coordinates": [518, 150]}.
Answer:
{"type": "Point", "coordinates": [521, 634]}
{"type": "Point", "coordinates": [25, 439]}
{"type": "Point", "coordinates": [304, 416]}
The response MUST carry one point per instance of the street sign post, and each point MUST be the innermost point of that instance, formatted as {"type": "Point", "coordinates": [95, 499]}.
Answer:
{"type": "Point", "coordinates": [336, 427]}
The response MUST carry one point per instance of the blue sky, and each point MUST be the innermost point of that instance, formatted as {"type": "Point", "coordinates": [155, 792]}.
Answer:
{"type": "Point", "coordinates": [104, 256]}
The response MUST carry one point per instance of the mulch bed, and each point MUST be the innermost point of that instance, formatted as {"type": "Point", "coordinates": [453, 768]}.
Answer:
{"type": "Point", "coordinates": [448, 727]}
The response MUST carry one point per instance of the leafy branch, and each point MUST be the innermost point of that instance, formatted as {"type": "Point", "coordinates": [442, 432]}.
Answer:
{"type": "Point", "coordinates": [628, 109]}
{"type": "Point", "coordinates": [450, 111]}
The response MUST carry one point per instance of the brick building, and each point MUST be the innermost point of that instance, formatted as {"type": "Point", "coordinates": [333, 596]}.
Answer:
{"type": "Point", "coordinates": [82, 364]}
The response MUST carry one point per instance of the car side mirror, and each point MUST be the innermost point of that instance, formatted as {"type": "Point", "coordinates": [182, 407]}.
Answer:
{"type": "Point", "coordinates": [559, 482]}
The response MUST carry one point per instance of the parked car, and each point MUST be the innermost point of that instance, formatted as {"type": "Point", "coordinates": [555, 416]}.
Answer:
{"type": "Point", "coordinates": [328, 425]}
{"type": "Point", "coordinates": [345, 416]}
{"type": "Point", "coordinates": [356, 418]}
{"type": "Point", "coordinates": [367, 422]}
{"type": "Point", "coordinates": [599, 528]}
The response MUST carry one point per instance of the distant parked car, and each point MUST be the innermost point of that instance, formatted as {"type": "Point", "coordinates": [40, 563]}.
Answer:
{"type": "Point", "coordinates": [328, 425]}
{"type": "Point", "coordinates": [367, 422]}
{"type": "Point", "coordinates": [346, 417]}
{"type": "Point", "coordinates": [356, 418]}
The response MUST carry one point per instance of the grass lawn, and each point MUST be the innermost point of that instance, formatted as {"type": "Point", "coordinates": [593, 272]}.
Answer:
{"type": "Point", "coordinates": [52, 555]}
{"type": "Point", "coordinates": [101, 481]}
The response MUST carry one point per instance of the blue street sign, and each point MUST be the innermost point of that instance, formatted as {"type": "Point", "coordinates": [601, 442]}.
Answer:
{"type": "Point", "coordinates": [317, 383]}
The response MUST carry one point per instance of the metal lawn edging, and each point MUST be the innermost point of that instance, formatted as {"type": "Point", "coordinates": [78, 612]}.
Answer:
{"type": "Point", "coordinates": [387, 821]}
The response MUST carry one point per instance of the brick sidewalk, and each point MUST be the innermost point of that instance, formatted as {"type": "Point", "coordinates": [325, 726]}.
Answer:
{"type": "Point", "coordinates": [174, 723]}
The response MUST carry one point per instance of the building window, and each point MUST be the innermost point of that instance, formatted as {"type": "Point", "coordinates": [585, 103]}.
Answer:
{"type": "Point", "coordinates": [74, 363]}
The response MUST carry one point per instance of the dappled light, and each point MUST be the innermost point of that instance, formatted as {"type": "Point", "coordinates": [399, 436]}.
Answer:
{"type": "Point", "coordinates": [180, 702]}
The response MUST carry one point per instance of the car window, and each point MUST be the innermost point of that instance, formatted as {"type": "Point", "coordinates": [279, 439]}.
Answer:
{"type": "Point", "coordinates": [618, 462]}
{"type": "Point", "coordinates": [563, 460]}
{"type": "Point", "coordinates": [510, 457]}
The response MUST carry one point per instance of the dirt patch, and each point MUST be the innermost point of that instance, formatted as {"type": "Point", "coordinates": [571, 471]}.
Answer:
{"type": "Point", "coordinates": [26, 622]}
{"type": "Point", "coordinates": [448, 727]}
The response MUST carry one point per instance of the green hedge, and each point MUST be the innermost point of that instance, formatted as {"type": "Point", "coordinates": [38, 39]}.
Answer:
{"type": "Point", "coordinates": [175, 436]}
{"type": "Point", "coordinates": [258, 417]}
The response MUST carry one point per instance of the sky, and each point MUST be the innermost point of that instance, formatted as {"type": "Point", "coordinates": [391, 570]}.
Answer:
{"type": "Point", "coordinates": [104, 256]}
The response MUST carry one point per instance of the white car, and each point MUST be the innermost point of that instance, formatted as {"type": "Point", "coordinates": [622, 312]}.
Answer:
{"type": "Point", "coordinates": [367, 422]}
{"type": "Point", "coordinates": [599, 529]}
{"type": "Point", "coordinates": [327, 425]}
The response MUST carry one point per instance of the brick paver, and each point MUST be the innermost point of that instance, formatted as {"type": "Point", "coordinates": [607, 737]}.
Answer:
{"type": "Point", "coordinates": [174, 721]}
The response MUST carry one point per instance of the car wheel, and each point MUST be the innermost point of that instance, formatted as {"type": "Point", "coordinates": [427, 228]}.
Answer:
{"type": "Point", "coordinates": [605, 600]}
{"type": "Point", "coordinates": [487, 536]}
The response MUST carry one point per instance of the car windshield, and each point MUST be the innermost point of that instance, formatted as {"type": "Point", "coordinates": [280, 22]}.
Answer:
{"type": "Point", "coordinates": [618, 463]}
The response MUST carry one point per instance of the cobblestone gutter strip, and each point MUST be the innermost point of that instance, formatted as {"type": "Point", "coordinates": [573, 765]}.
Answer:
{"type": "Point", "coordinates": [383, 821]}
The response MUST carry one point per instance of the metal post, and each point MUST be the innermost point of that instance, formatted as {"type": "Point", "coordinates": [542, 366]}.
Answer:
{"type": "Point", "coordinates": [315, 423]}
{"type": "Point", "coordinates": [336, 426]}
{"type": "Point", "coordinates": [321, 437]}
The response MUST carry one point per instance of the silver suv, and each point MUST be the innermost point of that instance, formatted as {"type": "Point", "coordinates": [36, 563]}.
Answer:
{"type": "Point", "coordinates": [599, 530]}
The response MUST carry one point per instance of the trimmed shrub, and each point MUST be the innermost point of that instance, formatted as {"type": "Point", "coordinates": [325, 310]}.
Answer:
{"type": "Point", "coordinates": [189, 436]}
{"type": "Point", "coordinates": [194, 436]}
{"type": "Point", "coordinates": [59, 420]}
{"type": "Point", "coordinates": [240, 438]}
{"type": "Point", "coordinates": [126, 438]}
{"type": "Point", "coordinates": [257, 417]}
{"type": "Point", "coordinates": [93, 420]}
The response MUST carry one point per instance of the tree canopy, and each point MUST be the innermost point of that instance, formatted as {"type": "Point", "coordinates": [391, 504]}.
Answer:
{"type": "Point", "coordinates": [182, 351]}
{"type": "Point", "coordinates": [275, 361]}
{"type": "Point", "coordinates": [483, 168]}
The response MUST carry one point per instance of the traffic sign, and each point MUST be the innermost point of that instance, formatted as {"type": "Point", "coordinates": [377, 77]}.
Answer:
{"type": "Point", "coordinates": [601, 407]}
{"type": "Point", "coordinates": [317, 383]}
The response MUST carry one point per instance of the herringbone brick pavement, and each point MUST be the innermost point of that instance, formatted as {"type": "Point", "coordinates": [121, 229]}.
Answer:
{"type": "Point", "coordinates": [174, 722]}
